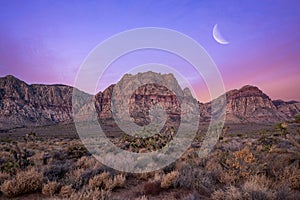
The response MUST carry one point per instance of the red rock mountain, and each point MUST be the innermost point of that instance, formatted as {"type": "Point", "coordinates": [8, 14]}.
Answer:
{"type": "Point", "coordinates": [250, 104]}
{"type": "Point", "coordinates": [22, 104]}
{"type": "Point", "coordinates": [32, 105]}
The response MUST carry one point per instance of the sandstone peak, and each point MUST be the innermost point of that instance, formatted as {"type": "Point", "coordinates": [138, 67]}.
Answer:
{"type": "Point", "coordinates": [9, 79]}
{"type": "Point", "coordinates": [246, 91]}
{"type": "Point", "coordinates": [150, 74]}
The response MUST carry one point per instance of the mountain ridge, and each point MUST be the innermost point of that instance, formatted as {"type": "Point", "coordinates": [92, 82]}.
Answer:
{"type": "Point", "coordinates": [25, 104]}
{"type": "Point", "coordinates": [59, 84]}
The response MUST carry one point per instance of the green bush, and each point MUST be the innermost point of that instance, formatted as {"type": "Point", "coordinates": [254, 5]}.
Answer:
{"type": "Point", "coordinates": [282, 127]}
{"type": "Point", "coordinates": [297, 118]}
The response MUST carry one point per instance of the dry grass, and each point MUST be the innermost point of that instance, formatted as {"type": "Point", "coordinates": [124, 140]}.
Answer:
{"type": "Point", "coordinates": [233, 193]}
{"type": "Point", "coordinates": [168, 180]}
{"type": "Point", "coordinates": [4, 176]}
{"type": "Point", "coordinates": [51, 188]}
{"type": "Point", "coordinates": [105, 181]}
{"type": "Point", "coordinates": [141, 198]}
{"type": "Point", "coordinates": [99, 181]}
{"type": "Point", "coordinates": [87, 162]}
{"type": "Point", "coordinates": [144, 176]}
{"type": "Point", "coordinates": [66, 191]}
{"type": "Point", "coordinates": [91, 194]}
{"type": "Point", "coordinates": [291, 175]}
{"type": "Point", "coordinates": [25, 182]}
{"type": "Point", "coordinates": [116, 182]}
{"type": "Point", "coordinates": [257, 187]}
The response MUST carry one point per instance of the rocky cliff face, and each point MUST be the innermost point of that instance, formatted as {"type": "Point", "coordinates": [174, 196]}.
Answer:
{"type": "Point", "coordinates": [141, 97]}
{"type": "Point", "coordinates": [36, 105]}
{"type": "Point", "coordinates": [31, 105]}
{"type": "Point", "coordinates": [288, 109]}
{"type": "Point", "coordinates": [250, 104]}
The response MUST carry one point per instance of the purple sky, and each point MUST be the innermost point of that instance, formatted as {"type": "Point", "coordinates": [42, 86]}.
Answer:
{"type": "Point", "coordinates": [46, 41]}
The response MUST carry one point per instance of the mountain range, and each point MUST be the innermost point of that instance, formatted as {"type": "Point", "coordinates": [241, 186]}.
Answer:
{"type": "Point", "coordinates": [25, 105]}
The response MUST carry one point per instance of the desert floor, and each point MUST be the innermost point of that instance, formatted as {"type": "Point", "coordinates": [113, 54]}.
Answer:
{"type": "Point", "coordinates": [250, 161]}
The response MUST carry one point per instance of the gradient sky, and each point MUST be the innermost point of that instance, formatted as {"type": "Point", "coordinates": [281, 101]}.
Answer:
{"type": "Point", "coordinates": [46, 41]}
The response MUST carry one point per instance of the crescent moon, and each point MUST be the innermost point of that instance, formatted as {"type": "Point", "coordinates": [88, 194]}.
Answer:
{"type": "Point", "coordinates": [218, 36]}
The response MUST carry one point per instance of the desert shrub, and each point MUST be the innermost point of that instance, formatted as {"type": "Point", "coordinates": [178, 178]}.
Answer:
{"type": "Point", "coordinates": [141, 198]}
{"type": "Point", "coordinates": [59, 155]}
{"type": "Point", "coordinates": [192, 196]}
{"type": "Point", "coordinates": [66, 191]}
{"type": "Point", "coordinates": [117, 181]}
{"type": "Point", "coordinates": [297, 118]}
{"type": "Point", "coordinates": [83, 178]}
{"type": "Point", "coordinates": [218, 195]}
{"type": "Point", "coordinates": [171, 167]}
{"type": "Point", "coordinates": [50, 188]}
{"type": "Point", "coordinates": [98, 180]}
{"type": "Point", "coordinates": [143, 176]}
{"type": "Point", "coordinates": [230, 193]}
{"type": "Point", "coordinates": [77, 150]}
{"type": "Point", "coordinates": [195, 178]}
{"type": "Point", "coordinates": [3, 177]}
{"type": "Point", "coordinates": [284, 192]}
{"type": "Point", "coordinates": [277, 126]}
{"type": "Point", "coordinates": [241, 163]}
{"type": "Point", "coordinates": [152, 188]}
{"type": "Point", "coordinates": [169, 179]}
{"type": "Point", "coordinates": [5, 140]}
{"type": "Point", "coordinates": [25, 182]}
{"type": "Point", "coordinates": [213, 166]}
{"type": "Point", "coordinates": [88, 162]}
{"type": "Point", "coordinates": [291, 175]}
{"type": "Point", "coordinates": [56, 172]}
{"type": "Point", "coordinates": [9, 165]}
{"type": "Point", "coordinates": [16, 158]}
{"type": "Point", "coordinates": [282, 127]}
{"type": "Point", "coordinates": [72, 177]}
{"type": "Point", "coordinates": [257, 187]}
{"type": "Point", "coordinates": [233, 193]}
{"type": "Point", "coordinates": [157, 175]}
{"type": "Point", "coordinates": [94, 194]}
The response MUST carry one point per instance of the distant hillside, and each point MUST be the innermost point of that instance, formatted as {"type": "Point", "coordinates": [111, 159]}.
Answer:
{"type": "Point", "coordinates": [37, 105]}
